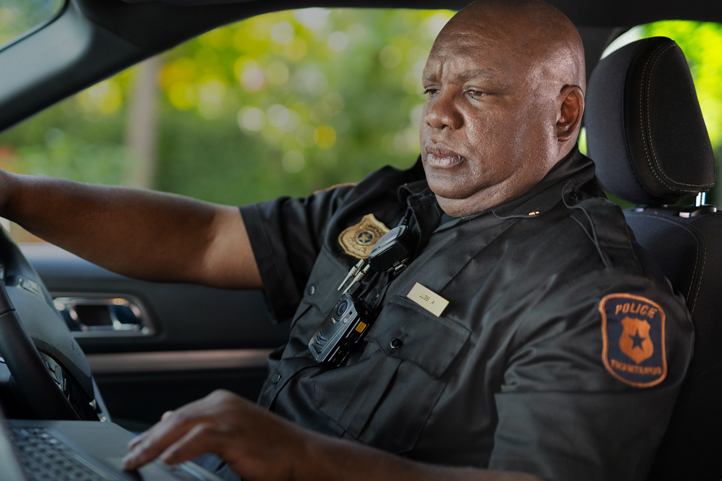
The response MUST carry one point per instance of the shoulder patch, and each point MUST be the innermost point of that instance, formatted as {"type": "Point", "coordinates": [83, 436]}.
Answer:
{"type": "Point", "coordinates": [633, 339]}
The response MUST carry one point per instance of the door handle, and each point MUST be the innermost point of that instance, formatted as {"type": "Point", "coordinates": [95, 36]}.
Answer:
{"type": "Point", "coordinates": [104, 315]}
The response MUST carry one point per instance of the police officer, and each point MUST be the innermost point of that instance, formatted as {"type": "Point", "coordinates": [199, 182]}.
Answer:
{"type": "Point", "coordinates": [524, 334]}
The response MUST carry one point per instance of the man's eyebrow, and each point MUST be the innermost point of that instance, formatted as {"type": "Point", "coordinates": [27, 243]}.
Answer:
{"type": "Point", "coordinates": [429, 76]}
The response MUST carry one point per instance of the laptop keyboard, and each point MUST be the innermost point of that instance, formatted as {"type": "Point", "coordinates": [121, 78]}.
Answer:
{"type": "Point", "coordinates": [47, 459]}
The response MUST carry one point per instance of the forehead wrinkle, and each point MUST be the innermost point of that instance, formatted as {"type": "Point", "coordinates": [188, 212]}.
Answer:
{"type": "Point", "coordinates": [465, 76]}
{"type": "Point", "coordinates": [470, 38]}
{"type": "Point", "coordinates": [449, 58]}
{"type": "Point", "coordinates": [477, 32]}
{"type": "Point", "coordinates": [486, 73]}
{"type": "Point", "coordinates": [542, 32]}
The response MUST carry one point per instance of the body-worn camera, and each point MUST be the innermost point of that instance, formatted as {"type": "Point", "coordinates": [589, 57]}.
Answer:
{"type": "Point", "coordinates": [394, 250]}
{"type": "Point", "coordinates": [344, 327]}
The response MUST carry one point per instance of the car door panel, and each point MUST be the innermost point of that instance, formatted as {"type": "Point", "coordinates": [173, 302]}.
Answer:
{"type": "Point", "coordinates": [195, 339]}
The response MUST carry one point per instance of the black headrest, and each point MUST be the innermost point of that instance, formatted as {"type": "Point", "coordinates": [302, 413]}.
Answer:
{"type": "Point", "coordinates": [644, 126]}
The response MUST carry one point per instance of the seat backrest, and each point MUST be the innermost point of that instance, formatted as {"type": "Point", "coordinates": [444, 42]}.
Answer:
{"type": "Point", "coordinates": [646, 134]}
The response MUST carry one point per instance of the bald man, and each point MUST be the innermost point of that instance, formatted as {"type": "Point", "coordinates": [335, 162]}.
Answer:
{"type": "Point", "coordinates": [514, 331]}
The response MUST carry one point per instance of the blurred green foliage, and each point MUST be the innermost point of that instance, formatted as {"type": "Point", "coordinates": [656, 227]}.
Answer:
{"type": "Point", "coordinates": [20, 16]}
{"type": "Point", "coordinates": [293, 102]}
{"type": "Point", "coordinates": [281, 104]}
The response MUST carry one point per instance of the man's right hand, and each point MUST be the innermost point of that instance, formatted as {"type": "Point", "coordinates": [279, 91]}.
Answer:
{"type": "Point", "coordinates": [260, 445]}
{"type": "Point", "coordinates": [255, 443]}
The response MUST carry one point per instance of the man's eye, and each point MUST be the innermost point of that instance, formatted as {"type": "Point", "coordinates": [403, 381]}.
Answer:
{"type": "Point", "coordinates": [475, 93]}
{"type": "Point", "coordinates": [430, 91]}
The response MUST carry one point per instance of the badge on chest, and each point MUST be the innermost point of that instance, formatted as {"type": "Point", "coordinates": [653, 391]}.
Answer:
{"type": "Point", "coordinates": [359, 239]}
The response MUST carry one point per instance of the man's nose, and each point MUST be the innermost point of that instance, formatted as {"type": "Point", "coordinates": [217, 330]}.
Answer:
{"type": "Point", "coordinates": [443, 112]}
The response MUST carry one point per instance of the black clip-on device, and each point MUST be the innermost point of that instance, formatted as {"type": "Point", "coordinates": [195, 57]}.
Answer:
{"type": "Point", "coordinates": [349, 321]}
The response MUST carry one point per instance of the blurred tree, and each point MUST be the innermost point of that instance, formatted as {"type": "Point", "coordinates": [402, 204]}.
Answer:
{"type": "Point", "coordinates": [285, 103]}
{"type": "Point", "coordinates": [142, 128]}
{"type": "Point", "coordinates": [294, 102]}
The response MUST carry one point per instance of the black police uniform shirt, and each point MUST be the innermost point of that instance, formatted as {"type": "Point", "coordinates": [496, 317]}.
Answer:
{"type": "Point", "coordinates": [560, 352]}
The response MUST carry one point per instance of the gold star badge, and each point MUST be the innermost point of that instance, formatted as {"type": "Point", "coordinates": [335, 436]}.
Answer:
{"type": "Point", "coordinates": [359, 239]}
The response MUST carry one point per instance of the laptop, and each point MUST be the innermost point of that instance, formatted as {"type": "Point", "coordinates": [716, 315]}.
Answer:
{"type": "Point", "coordinates": [78, 450]}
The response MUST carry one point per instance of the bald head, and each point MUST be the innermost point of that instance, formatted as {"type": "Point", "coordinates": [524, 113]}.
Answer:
{"type": "Point", "coordinates": [505, 83]}
{"type": "Point", "coordinates": [532, 29]}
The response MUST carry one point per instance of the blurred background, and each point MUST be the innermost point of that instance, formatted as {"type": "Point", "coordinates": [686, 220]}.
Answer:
{"type": "Point", "coordinates": [282, 104]}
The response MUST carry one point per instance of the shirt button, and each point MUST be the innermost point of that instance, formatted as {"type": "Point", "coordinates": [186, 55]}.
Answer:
{"type": "Point", "coordinates": [396, 343]}
{"type": "Point", "coordinates": [312, 290]}
{"type": "Point", "coordinates": [276, 379]}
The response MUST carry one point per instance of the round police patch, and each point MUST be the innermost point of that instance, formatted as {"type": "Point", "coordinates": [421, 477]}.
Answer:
{"type": "Point", "coordinates": [633, 339]}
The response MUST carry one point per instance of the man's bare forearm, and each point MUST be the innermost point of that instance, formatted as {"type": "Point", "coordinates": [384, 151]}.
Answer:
{"type": "Point", "coordinates": [138, 233]}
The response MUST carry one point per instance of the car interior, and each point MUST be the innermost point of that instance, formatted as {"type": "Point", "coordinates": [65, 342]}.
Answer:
{"type": "Point", "coordinates": [648, 157]}
{"type": "Point", "coordinates": [151, 347]}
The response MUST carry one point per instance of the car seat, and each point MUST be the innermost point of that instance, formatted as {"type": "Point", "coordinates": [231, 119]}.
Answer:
{"type": "Point", "coordinates": [646, 134]}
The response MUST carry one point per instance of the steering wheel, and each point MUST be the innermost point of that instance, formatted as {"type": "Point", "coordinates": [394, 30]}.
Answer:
{"type": "Point", "coordinates": [47, 372]}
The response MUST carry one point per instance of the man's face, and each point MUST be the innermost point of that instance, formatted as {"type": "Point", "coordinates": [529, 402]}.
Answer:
{"type": "Point", "coordinates": [487, 131]}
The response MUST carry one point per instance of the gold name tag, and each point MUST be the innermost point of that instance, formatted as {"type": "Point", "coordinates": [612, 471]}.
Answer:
{"type": "Point", "coordinates": [427, 299]}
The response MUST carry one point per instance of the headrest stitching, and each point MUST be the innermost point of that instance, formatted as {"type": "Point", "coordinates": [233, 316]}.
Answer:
{"type": "Point", "coordinates": [647, 137]}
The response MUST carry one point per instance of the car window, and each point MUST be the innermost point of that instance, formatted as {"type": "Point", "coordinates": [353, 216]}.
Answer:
{"type": "Point", "coordinates": [280, 104]}
{"type": "Point", "coordinates": [20, 16]}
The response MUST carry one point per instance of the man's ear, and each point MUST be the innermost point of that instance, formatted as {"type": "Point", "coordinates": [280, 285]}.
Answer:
{"type": "Point", "coordinates": [569, 112]}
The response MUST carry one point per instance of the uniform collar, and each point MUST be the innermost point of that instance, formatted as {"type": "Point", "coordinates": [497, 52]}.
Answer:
{"type": "Point", "coordinates": [570, 174]}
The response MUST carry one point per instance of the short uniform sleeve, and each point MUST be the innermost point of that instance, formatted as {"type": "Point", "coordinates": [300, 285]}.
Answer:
{"type": "Point", "coordinates": [583, 397]}
{"type": "Point", "coordinates": [286, 236]}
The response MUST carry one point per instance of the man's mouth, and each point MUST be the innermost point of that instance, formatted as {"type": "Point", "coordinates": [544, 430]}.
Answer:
{"type": "Point", "coordinates": [442, 157]}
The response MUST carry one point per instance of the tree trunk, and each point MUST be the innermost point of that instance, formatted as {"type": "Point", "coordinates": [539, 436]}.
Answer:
{"type": "Point", "coordinates": [142, 130]}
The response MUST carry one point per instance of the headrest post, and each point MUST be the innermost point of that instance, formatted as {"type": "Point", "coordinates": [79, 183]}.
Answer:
{"type": "Point", "coordinates": [701, 199]}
